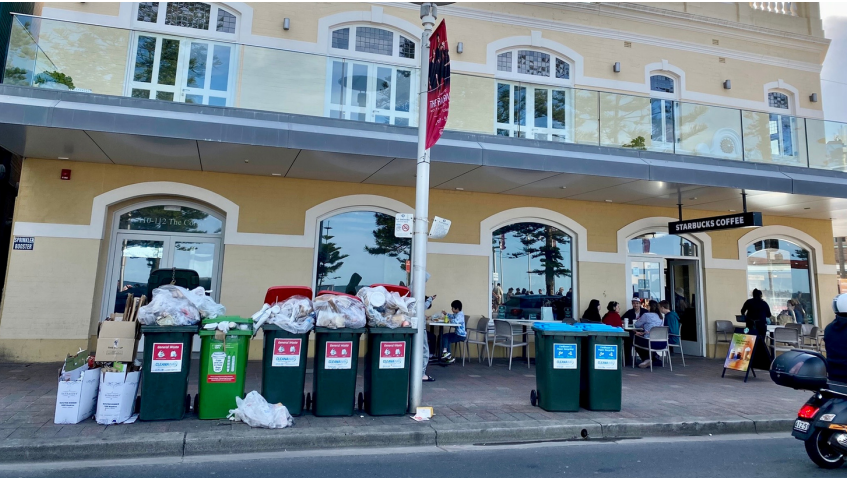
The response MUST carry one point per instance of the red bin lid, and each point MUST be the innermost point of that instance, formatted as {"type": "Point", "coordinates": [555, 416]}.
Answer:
{"type": "Point", "coordinates": [281, 292]}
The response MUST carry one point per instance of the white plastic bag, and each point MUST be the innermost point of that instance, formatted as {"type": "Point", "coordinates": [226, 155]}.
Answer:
{"type": "Point", "coordinates": [170, 306]}
{"type": "Point", "coordinates": [384, 308]}
{"type": "Point", "coordinates": [338, 311]}
{"type": "Point", "coordinates": [255, 411]}
{"type": "Point", "coordinates": [209, 309]}
{"type": "Point", "coordinates": [295, 315]}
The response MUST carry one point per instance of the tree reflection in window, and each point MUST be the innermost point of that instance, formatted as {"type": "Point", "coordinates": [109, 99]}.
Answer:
{"type": "Point", "coordinates": [357, 249]}
{"type": "Point", "coordinates": [781, 270]}
{"type": "Point", "coordinates": [533, 256]}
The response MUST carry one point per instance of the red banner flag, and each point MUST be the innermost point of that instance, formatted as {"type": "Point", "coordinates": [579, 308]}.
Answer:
{"type": "Point", "coordinates": [438, 91]}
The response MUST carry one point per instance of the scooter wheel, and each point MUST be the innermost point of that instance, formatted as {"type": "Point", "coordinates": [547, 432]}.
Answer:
{"type": "Point", "coordinates": [533, 398]}
{"type": "Point", "coordinates": [821, 452]}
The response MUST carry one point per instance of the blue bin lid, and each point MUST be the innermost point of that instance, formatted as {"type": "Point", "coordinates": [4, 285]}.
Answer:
{"type": "Point", "coordinates": [555, 327]}
{"type": "Point", "coordinates": [597, 327]}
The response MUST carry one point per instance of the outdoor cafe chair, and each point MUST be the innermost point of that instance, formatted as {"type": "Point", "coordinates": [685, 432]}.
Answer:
{"type": "Point", "coordinates": [504, 337]}
{"type": "Point", "coordinates": [657, 334]}
{"type": "Point", "coordinates": [785, 339]}
{"type": "Point", "coordinates": [723, 327]}
{"type": "Point", "coordinates": [813, 337]}
{"type": "Point", "coordinates": [480, 337]}
{"type": "Point", "coordinates": [679, 344]}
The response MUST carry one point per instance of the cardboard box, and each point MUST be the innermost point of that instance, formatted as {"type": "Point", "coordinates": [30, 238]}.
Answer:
{"type": "Point", "coordinates": [117, 396]}
{"type": "Point", "coordinates": [76, 399]}
{"type": "Point", "coordinates": [117, 342]}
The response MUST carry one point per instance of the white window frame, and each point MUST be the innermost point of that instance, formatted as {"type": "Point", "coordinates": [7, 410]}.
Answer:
{"type": "Point", "coordinates": [394, 58]}
{"type": "Point", "coordinates": [527, 78]}
{"type": "Point", "coordinates": [530, 131]}
{"type": "Point", "coordinates": [370, 110]}
{"type": "Point", "coordinates": [664, 97]}
{"type": "Point", "coordinates": [179, 91]}
{"type": "Point", "coordinates": [782, 112]}
{"type": "Point", "coordinates": [210, 33]}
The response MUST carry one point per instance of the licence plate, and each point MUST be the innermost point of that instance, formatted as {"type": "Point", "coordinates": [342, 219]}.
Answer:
{"type": "Point", "coordinates": [801, 426]}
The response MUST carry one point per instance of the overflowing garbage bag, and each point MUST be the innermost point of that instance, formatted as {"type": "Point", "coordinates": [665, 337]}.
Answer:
{"type": "Point", "coordinates": [208, 308]}
{"type": "Point", "coordinates": [170, 306]}
{"type": "Point", "coordinates": [255, 411]}
{"type": "Point", "coordinates": [387, 309]}
{"type": "Point", "coordinates": [339, 311]}
{"type": "Point", "coordinates": [295, 314]}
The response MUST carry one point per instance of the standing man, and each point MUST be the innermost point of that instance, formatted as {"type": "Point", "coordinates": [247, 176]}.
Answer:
{"type": "Point", "coordinates": [496, 297]}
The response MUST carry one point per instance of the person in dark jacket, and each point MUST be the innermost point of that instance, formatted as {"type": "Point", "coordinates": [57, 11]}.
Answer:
{"type": "Point", "coordinates": [835, 337]}
{"type": "Point", "coordinates": [592, 313]}
{"type": "Point", "coordinates": [756, 313]}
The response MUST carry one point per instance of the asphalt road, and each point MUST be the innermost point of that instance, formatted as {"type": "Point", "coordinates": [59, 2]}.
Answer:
{"type": "Point", "coordinates": [734, 455]}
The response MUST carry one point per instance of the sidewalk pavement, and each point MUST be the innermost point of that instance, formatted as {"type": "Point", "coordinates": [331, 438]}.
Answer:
{"type": "Point", "coordinates": [473, 404]}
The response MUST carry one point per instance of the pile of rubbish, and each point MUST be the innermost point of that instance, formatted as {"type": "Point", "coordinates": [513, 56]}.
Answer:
{"type": "Point", "coordinates": [255, 411]}
{"type": "Point", "coordinates": [339, 311]}
{"type": "Point", "coordinates": [387, 309]}
{"type": "Point", "coordinates": [295, 315]}
{"type": "Point", "coordinates": [174, 305]}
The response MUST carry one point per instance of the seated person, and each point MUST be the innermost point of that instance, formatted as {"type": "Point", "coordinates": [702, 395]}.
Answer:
{"type": "Point", "coordinates": [835, 336]}
{"type": "Point", "coordinates": [613, 316]}
{"type": "Point", "coordinates": [592, 313]}
{"type": "Point", "coordinates": [648, 320]}
{"type": "Point", "coordinates": [671, 321]}
{"type": "Point", "coordinates": [460, 335]}
{"type": "Point", "coordinates": [635, 312]}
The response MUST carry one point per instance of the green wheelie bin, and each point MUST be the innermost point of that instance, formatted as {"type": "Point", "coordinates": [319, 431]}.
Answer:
{"type": "Point", "coordinates": [223, 366]}
{"type": "Point", "coordinates": [284, 367]}
{"type": "Point", "coordinates": [336, 362]}
{"type": "Point", "coordinates": [557, 366]}
{"type": "Point", "coordinates": [164, 374]}
{"type": "Point", "coordinates": [602, 364]}
{"type": "Point", "coordinates": [387, 369]}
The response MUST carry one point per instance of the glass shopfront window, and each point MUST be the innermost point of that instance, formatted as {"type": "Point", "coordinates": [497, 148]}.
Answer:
{"type": "Point", "coordinates": [780, 269]}
{"type": "Point", "coordinates": [357, 249]}
{"type": "Point", "coordinates": [662, 245]}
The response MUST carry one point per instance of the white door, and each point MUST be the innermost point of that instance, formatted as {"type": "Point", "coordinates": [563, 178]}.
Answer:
{"type": "Point", "coordinates": [180, 69]}
{"type": "Point", "coordinates": [535, 112]}
{"type": "Point", "coordinates": [369, 92]}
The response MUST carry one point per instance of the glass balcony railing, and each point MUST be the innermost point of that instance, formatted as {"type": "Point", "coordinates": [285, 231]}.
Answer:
{"type": "Point", "coordinates": [87, 58]}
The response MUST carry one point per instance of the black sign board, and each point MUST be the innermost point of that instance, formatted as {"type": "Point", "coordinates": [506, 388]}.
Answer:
{"type": "Point", "coordinates": [705, 224]}
{"type": "Point", "coordinates": [23, 243]}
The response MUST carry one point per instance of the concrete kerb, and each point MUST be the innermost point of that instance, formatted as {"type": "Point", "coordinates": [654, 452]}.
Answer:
{"type": "Point", "coordinates": [177, 444]}
{"type": "Point", "coordinates": [92, 448]}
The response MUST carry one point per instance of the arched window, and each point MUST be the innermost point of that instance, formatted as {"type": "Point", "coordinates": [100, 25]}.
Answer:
{"type": "Point", "coordinates": [367, 90]}
{"type": "Point", "coordinates": [782, 128]}
{"type": "Point", "coordinates": [780, 269]}
{"type": "Point", "coordinates": [187, 70]}
{"type": "Point", "coordinates": [662, 245]}
{"type": "Point", "coordinates": [537, 258]}
{"type": "Point", "coordinates": [357, 249]}
{"type": "Point", "coordinates": [662, 112]}
{"type": "Point", "coordinates": [524, 110]}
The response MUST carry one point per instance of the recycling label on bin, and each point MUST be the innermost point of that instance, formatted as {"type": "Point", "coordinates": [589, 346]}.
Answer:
{"type": "Point", "coordinates": [166, 358]}
{"type": "Point", "coordinates": [564, 356]}
{"type": "Point", "coordinates": [605, 357]}
{"type": "Point", "coordinates": [338, 356]}
{"type": "Point", "coordinates": [392, 355]}
{"type": "Point", "coordinates": [286, 353]}
{"type": "Point", "coordinates": [223, 363]}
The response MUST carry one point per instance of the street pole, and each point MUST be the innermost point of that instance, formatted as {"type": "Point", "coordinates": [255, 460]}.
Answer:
{"type": "Point", "coordinates": [429, 12]}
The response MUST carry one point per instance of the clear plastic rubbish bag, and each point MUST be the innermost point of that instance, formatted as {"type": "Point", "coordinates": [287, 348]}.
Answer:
{"type": "Point", "coordinates": [170, 306]}
{"type": "Point", "coordinates": [295, 315]}
{"type": "Point", "coordinates": [255, 411]}
{"type": "Point", "coordinates": [384, 308]}
{"type": "Point", "coordinates": [338, 311]}
{"type": "Point", "coordinates": [209, 309]}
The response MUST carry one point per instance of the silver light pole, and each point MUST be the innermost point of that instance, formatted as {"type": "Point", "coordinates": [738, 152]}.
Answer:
{"type": "Point", "coordinates": [429, 12]}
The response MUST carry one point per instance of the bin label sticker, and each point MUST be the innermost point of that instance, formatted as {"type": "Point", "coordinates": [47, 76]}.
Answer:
{"type": "Point", "coordinates": [339, 356]}
{"type": "Point", "coordinates": [223, 361]}
{"type": "Point", "coordinates": [605, 357]}
{"type": "Point", "coordinates": [564, 356]}
{"type": "Point", "coordinates": [166, 358]}
{"type": "Point", "coordinates": [392, 355]}
{"type": "Point", "coordinates": [286, 353]}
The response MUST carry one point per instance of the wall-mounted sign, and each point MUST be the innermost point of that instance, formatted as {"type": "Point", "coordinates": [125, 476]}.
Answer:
{"type": "Point", "coordinates": [23, 243]}
{"type": "Point", "coordinates": [733, 221]}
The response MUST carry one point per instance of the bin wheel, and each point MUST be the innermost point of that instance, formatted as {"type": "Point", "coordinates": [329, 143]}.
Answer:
{"type": "Point", "coordinates": [308, 401]}
{"type": "Point", "coordinates": [138, 404]}
{"type": "Point", "coordinates": [196, 403]}
{"type": "Point", "coordinates": [361, 401]}
{"type": "Point", "coordinates": [533, 398]}
{"type": "Point", "coordinates": [187, 402]}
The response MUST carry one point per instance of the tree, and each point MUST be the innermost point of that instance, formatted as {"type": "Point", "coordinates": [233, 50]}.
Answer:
{"type": "Point", "coordinates": [387, 244]}
{"type": "Point", "coordinates": [54, 77]}
{"type": "Point", "coordinates": [541, 241]}
{"type": "Point", "coordinates": [329, 259]}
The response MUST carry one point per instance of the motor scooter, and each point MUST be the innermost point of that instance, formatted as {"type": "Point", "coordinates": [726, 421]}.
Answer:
{"type": "Point", "coordinates": [822, 421]}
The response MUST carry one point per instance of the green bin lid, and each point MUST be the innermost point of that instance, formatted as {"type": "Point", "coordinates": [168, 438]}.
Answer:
{"type": "Point", "coordinates": [236, 319]}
